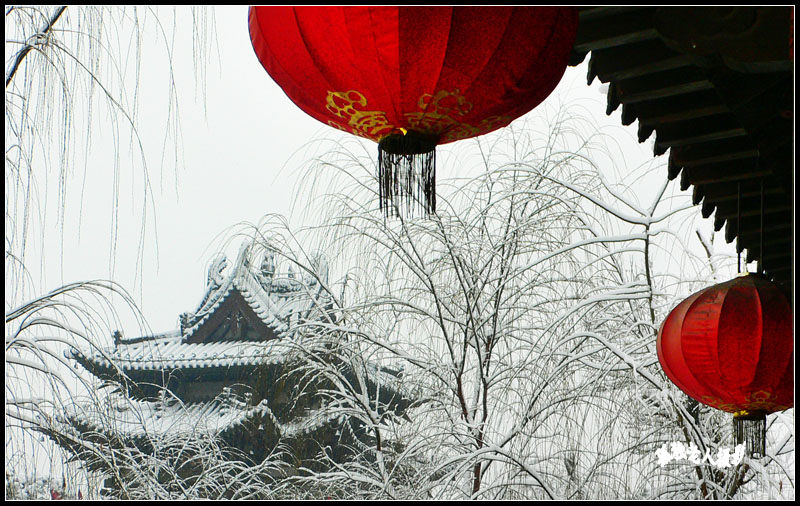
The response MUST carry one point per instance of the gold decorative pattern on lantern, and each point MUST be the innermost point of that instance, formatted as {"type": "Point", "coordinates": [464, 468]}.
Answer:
{"type": "Point", "coordinates": [370, 124]}
{"type": "Point", "coordinates": [763, 400]}
{"type": "Point", "coordinates": [715, 402]}
{"type": "Point", "coordinates": [439, 114]}
{"type": "Point", "coordinates": [758, 400]}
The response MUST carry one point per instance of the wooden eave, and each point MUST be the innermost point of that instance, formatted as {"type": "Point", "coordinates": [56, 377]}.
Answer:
{"type": "Point", "coordinates": [234, 303]}
{"type": "Point", "coordinates": [715, 85]}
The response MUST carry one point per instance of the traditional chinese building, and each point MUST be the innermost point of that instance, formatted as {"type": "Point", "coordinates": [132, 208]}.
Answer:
{"type": "Point", "coordinates": [233, 370]}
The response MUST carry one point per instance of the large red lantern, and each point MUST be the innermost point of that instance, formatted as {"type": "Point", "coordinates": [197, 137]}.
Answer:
{"type": "Point", "coordinates": [730, 347]}
{"type": "Point", "coordinates": [410, 78]}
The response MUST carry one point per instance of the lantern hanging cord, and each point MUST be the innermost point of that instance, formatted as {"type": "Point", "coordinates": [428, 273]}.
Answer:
{"type": "Point", "coordinates": [760, 266]}
{"type": "Point", "coordinates": [738, 227]}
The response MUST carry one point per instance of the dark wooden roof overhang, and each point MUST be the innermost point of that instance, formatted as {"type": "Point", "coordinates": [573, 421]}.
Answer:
{"type": "Point", "coordinates": [233, 306]}
{"type": "Point", "coordinates": [716, 87]}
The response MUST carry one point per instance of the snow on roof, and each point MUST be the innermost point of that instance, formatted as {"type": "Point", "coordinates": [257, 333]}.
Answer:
{"type": "Point", "coordinates": [171, 352]}
{"type": "Point", "coordinates": [139, 419]}
{"type": "Point", "coordinates": [275, 301]}
{"type": "Point", "coordinates": [306, 424]}
{"type": "Point", "coordinates": [273, 298]}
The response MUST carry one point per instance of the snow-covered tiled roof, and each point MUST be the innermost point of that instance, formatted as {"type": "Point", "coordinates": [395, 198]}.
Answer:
{"type": "Point", "coordinates": [274, 300]}
{"type": "Point", "coordinates": [171, 352]}
{"type": "Point", "coordinates": [138, 419]}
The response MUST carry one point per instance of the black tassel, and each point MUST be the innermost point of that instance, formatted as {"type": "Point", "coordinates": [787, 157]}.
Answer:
{"type": "Point", "coordinates": [750, 428]}
{"type": "Point", "coordinates": [407, 174]}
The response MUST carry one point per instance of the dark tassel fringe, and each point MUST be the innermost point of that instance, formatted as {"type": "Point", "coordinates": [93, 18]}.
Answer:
{"type": "Point", "coordinates": [750, 428]}
{"type": "Point", "coordinates": [407, 175]}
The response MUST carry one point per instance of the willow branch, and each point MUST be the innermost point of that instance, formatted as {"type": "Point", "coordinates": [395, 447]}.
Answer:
{"type": "Point", "coordinates": [40, 35]}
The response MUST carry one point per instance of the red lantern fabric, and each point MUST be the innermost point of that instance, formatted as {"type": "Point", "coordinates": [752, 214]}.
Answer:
{"type": "Point", "coordinates": [446, 72]}
{"type": "Point", "coordinates": [730, 346]}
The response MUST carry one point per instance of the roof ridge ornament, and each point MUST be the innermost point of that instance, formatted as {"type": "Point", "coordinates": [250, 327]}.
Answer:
{"type": "Point", "coordinates": [267, 270]}
{"type": "Point", "coordinates": [185, 321]}
{"type": "Point", "coordinates": [215, 277]}
{"type": "Point", "coordinates": [117, 336]}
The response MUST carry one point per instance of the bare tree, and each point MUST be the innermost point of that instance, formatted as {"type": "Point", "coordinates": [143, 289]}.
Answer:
{"type": "Point", "coordinates": [63, 65]}
{"type": "Point", "coordinates": [523, 316]}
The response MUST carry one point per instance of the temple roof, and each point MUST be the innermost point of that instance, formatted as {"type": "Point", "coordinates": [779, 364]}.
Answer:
{"type": "Point", "coordinates": [272, 297]}
{"type": "Point", "coordinates": [238, 340]}
{"type": "Point", "coordinates": [170, 351]}
{"type": "Point", "coordinates": [142, 419]}
{"type": "Point", "coordinates": [158, 418]}
{"type": "Point", "coordinates": [241, 298]}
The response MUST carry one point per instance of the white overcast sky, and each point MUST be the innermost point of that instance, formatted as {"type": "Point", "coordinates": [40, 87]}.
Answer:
{"type": "Point", "coordinates": [231, 170]}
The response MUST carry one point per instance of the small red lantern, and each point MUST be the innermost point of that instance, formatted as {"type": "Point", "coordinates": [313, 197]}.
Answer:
{"type": "Point", "coordinates": [730, 347]}
{"type": "Point", "coordinates": [412, 77]}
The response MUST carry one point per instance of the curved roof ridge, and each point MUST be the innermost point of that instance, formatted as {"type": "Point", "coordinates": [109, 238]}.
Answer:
{"type": "Point", "coordinates": [173, 354]}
